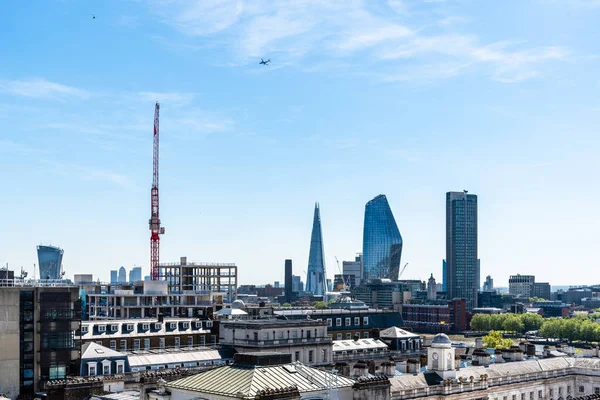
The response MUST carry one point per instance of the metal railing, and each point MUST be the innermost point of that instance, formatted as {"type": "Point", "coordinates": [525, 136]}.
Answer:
{"type": "Point", "coordinates": [18, 282]}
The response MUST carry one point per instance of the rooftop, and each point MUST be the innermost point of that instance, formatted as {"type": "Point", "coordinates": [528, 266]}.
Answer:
{"type": "Point", "coordinates": [395, 332]}
{"type": "Point", "coordinates": [246, 381]}
{"type": "Point", "coordinates": [361, 344]}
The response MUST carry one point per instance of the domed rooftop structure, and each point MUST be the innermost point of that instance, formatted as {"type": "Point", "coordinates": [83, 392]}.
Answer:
{"type": "Point", "coordinates": [441, 340]}
{"type": "Point", "coordinates": [238, 304]}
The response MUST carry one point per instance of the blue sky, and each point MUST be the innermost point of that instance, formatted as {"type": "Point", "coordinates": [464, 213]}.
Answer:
{"type": "Point", "coordinates": [403, 97]}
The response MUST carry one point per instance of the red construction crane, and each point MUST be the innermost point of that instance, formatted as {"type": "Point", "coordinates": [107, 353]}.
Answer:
{"type": "Point", "coordinates": [154, 222]}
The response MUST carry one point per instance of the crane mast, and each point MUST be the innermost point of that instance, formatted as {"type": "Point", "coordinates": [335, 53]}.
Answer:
{"type": "Point", "coordinates": [155, 228]}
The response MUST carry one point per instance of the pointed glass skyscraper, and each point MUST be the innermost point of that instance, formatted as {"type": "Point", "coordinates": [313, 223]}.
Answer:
{"type": "Point", "coordinates": [315, 275]}
{"type": "Point", "coordinates": [382, 243]}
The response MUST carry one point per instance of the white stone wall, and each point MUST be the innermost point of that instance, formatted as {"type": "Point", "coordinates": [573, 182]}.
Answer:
{"type": "Point", "coordinates": [9, 342]}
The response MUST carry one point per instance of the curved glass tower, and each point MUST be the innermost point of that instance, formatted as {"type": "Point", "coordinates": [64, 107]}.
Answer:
{"type": "Point", "coordinates": [50, 262]}
{"type": "Point", "coordinates": [315, 275]}
{"type": "Point", "coordinates": [382, 243]}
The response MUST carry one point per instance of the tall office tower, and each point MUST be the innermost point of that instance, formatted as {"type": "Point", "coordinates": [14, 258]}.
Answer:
{"type": "Point", "coordinates": [289, 288]}
{"type": "Point", "coordinates": [462, 264]}
{"type": "Point", "coordinates": [122, 275]}
{"type": "Point", "coordinates": [382, 243]}
{"type": "Point", "coordinates": [50, 262]}
{"type": "Point", "coordinates": [114, 276]}
{"type": "Point", "coordinates": [443, 275]}
{"type": "Point", "coordinates": [315, 275]}
{"type": "Point", "coordinates": [135, 274]}
{"type": "Point", "coordinates": [488, 285]}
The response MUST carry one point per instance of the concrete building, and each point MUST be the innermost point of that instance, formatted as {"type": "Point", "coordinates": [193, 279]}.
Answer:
{"type": "Point", "coordinates": [191, 279]}
{"type": "Point", "coordinates": [431, 288]}
{"type": "Point", "coordinates": [521, 285]}
{"type": "Point", "coordinates": [386, 294]}
{"type": "Point", "coordinates": [306, 340]}
{"type": "Point", "coordinates": [525, 286]}
{"type": "Point", "coordinates": [147, 299]}
{"type": "Point", "coordinates": [353, 269]}
{"type": "Point", "coordinates": [39, 321]}
{"type": "Point", "coordinates": [462, 263]}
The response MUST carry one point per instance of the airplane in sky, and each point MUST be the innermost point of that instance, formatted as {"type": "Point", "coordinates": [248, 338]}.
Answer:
{"type": "Point", "coordinates": [263, 62]}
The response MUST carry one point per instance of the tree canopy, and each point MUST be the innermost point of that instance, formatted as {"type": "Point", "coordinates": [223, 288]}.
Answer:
{"type": "Point", "coordinates": [494, 340]}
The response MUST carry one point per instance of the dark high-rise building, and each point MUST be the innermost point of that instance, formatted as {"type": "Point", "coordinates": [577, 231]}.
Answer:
{"type": "Point", "coordinates": [462, 264]}
{"type": "Point", "coordinates": [50, 262]}
{"type": "Point", "coordinates": [382, 243]}
{"type": "Point", "coordinates": [288, 281]}
{"type": "Point", "coordinates": [40, 319]}
{"type": "Point", "coordinates": [315, 275]}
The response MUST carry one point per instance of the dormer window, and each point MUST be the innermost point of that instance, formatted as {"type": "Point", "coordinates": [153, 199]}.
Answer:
{"type": "Point", "coordinates": [84, 329]}
{"type": "Point", "coordinates": [186, 325]}
{"type": "Point", "coordinates": [157, 326]}
{"type": "Point", "coordinates": [199, 324]}
{"type": "Point", "coordinates": [129, 327]}
{"type": "Point", "coordinates": [101, 328]}
{"type": "Point", "coordinates": [145, 326]}
{"type": "Point", "coordinates": [114, 328]}
{"type": "Point", "coordinates": [173, 325]}
{"type": "Point", "coordinates": [209, 324]}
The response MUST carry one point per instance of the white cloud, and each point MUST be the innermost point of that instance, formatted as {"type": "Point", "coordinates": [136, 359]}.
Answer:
{"type": "Point", "coordinates": [41, 89]}
{"type": "Point", "coordinates": [290, 30]}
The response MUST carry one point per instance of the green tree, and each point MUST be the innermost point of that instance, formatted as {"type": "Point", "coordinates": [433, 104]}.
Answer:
{"type": "Point", "coordinates": [287, 305]}
{"type": "Point", "coordinates": [587, 330]}
{"type": "Point", "coordinates": [532, 322]}
{"type": "Point", "coordinates": [497, 321]}
{"type": "Point", "coordinates": [480, 322]}
{"type": "Point", "coordinates": [494, 340]}
{"type": "Point", "coordinates": [513, 323]}
{"type": "Point", "coordinates": [551, 328]}
{"type": "Point", "coordinates": [319, 305]}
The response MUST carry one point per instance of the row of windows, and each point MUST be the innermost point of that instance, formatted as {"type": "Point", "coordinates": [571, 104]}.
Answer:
{"type": "Point", "coordinates": [348, 321]}
{"type": "Point", "coordinates": [340, 336]}
{"type": "Point", "coordinates": [106, 368]}
{"type": "Point", "coordinates": [146, 326]}
{"type": "Point", "coordinates": [137, 342]}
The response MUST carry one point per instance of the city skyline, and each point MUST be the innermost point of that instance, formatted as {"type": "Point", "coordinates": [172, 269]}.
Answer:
{"type": "Point", "coordinates": [408, 99]}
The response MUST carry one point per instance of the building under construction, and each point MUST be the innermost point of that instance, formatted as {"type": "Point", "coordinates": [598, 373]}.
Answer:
{"type": "Point", "coordinates": [191, 278]}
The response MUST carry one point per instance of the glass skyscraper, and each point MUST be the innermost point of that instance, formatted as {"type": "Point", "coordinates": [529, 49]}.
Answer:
{"type": "Point", "coordinates": [50, 262]}
{"type": "Point", "coordinates": [462, 264]}
{"type": "Point", "coordinates": [382, 243]}
{"type": "Point", "coordinates": [315, 274]}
